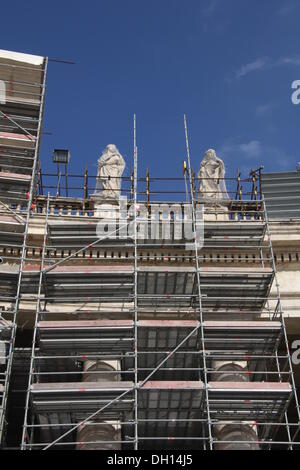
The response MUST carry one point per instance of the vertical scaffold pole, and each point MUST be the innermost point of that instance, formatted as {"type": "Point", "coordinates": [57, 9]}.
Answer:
{"type": "Point", "coordinates": [25, 435]}
{"type": "Point", "coordinates": [194, 226]}
{"type": "Point", "coordinates": [271, 317]}
{"type": "Point", "coordinates": [136, 443]}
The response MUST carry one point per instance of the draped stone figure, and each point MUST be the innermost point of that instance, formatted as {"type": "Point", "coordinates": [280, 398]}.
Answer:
{"type": "Point", "coordinates": [211, 177]}
{"type": "Point", "coordinates": [110, 169]}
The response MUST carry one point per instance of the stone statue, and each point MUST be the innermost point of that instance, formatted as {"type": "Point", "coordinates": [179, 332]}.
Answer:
{"type": "Point", "coordinates": [211, 177]}
{"type": "Point", "coordinates": [110, 169]}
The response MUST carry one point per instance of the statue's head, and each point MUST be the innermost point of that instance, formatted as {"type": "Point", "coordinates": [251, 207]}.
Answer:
{"type": "Point", "coordinates": [210, 153]}
{"type": "Point", "coordinates": [111, 148]}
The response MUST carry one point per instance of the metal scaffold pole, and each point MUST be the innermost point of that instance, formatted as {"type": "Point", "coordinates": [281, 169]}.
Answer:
{"type": "Point", "coordinates": [136, 437]}
{"type": "Point", "coordinates": [194, 228]}
{"type": "Point", "coordinates": [26, 439]}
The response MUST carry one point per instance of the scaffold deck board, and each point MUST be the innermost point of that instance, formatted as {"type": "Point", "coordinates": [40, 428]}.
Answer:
{"type": "Point", "coordinates": [14, 177]}
{"type": "Point", "coordinates": [14, 159]}
{"type": "Point", "coordinates": [105, 335]}
{"type": "Point", "coordinates": [220, 287]}
{"type": "Point", "coordinates": [263, 401]}
{"type": "Point", "coordinates": [80, 396]}
{"type": "Point", "coordinates": [234, 288]}
{"type": "Point", "coordinates": [11, 230]}
{"type": "Point", "coordinates": [90, 396]}
{"type": "Point", "coordinates": [216, 234]}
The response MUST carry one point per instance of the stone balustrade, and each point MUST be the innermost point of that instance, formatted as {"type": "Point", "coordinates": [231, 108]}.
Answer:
{"type": "Point", "coordinates": [233, 210]}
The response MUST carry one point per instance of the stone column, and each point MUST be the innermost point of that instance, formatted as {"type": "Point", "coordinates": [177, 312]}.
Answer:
{"type": "Point", "coordinates": [233, 371]}
{"type": "Point", "coordinates": [108, 430]}
{"type": "Point", "coordinates": [236, 432]}
{"type": "Point", "coordinates": [96, 371]}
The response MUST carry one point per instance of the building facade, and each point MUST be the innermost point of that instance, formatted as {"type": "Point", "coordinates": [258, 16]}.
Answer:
{"type": "Point", "coordinates": [162, 320]}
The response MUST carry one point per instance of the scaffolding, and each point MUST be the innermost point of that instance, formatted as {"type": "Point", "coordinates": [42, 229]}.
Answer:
{"type": "Point", "coordinates": [21, 112]}
{"type": "Point", "coordinates": [145, 342]}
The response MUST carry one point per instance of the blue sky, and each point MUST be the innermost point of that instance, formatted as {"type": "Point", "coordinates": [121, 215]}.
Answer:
{"type": "Point", "coordinates": [227, 64]}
